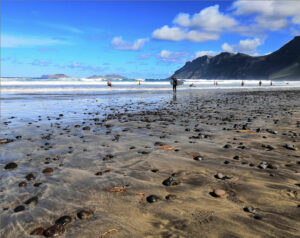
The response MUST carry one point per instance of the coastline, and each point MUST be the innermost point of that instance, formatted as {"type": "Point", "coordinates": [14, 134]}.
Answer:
{"type": "Point", "coordinates": [125, 138]}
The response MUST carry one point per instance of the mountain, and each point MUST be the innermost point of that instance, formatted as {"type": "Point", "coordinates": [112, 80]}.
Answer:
{"type": "Point", "coordinates": [281, 64]}
{"type": "Point", "coordinates": [54, 76]}
{"type": "Point", "coordinates": [108, 76]}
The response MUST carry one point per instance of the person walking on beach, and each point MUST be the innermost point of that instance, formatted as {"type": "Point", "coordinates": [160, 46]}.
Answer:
{"type": "Point", "coordinates": [243, 83]}
{"type": "Point", "coordinates": [109, 83]}
{"type": "Point", "coordinates": [174, 82]}
{"type": "Point", "coordinates": [259, 83]}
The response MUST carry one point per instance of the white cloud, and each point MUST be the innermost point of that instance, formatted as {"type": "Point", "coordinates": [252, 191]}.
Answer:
{"type": "Point", "coordinates": [226, 47]}
{"type": "Point", "coordinates": [119, 44]}
{"type": "Point", "coordinates": [247, 46]}
{"type": "Point", "coordinates": [8, 41]}
{"type": "Point", "coordinates": [172, 56]}
{"type": "Point", "coordinates": [208, 19]}
{"type": "Point", "coordinates": [270, 15]}
{"type": "Point", "coordinates": [177, 34]}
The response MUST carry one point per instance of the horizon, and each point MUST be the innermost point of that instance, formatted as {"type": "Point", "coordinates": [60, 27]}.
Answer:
{"type": "Point", "coordinates": [136, 39]}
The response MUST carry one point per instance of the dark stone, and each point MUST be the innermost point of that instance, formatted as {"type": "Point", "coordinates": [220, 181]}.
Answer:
{"type": "Point", "coordinates": [19, 208]}
{"type": "Point", "coordinates": [154, 170]}
{"type": "Point", "coordinates": [226, 162]}
{"type": "Point", "coordinates": [198, 158]}
{"type": "Point", "coordinates": [258, 217]}
{"type": "Point", "coordinates": [54, 231]}
{"type": "Point", "coordinates": [37, 231]}
{"type": "Point", "coordinates": [86, 128]}
{"type": "Point", "coordinates": [64, 220]}
{"type": "Point", "coordinates": [158, 143]}
{"type": "Point", "coordinates": [152, 198]}
{"type": "Point", "coordinates": [249, 209]}
{"type": "Point", "coordinates": [171, 197]}
{"type": "Point", "coordinates": [227, 146]}
{"type": "Point", "coordinates": [85, 214]}
{"type": "Point", "coordinates": [48, 170]}
{"type": "Point", "coordinates": [263, 165]}
{"type": "Point", "coordinates": [170, 182]}
{"type": "Point", "coordinates": [22, 184]}
{"type": "Point", "coordinates": [30, 177]}
{"type": "Point", "coordinates": [236, 157]}
{"type": "Point", "coordinates": [11, 166]}
{"type": "Point", "coordinates": [37, 184]}
{"type": "Point", "coordinates": [99, 173]}
{"type": "Point", "coordinates": [32, 201]}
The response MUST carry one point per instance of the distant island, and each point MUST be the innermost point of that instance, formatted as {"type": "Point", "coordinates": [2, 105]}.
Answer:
{"type": "Point", "coordinates": [281, 64]}
{"type": "Point", "coordinates": [108, 76]}
{"type": "Point", "coordinates": [54, 76]}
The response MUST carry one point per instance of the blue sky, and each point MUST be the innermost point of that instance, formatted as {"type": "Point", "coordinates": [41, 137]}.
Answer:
{"type": "Point", "coordinates": [137, 39]}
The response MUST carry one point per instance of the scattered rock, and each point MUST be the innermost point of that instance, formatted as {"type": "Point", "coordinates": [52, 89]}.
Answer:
{"type": "Point", "coordinates": [54, 231]}
{"type": "Point", "coordinates": [227, 146]}
{"type": "Point", "coordinates": [32, 201]}
{"type": "Point", "coordinates": [30, 177]}
{"type": "Point", "coordinates": [11, 166]}
{"type": "Point", "coordinates": [171, 197]}
{"type": "Point", "coordinates": [64, 220]}
{"type": "Point", "coordinates": [170, 182]}
{"type": "Point", "coordinates": [22, 184]}
{"type": "Point", "coordinates": [219, 176]}
{"type": "Point", "coordinates": [263, 165]}
{"type": "Point", "coordinates": [236, 157]}
{"type": "Point", "coordinates": [86, 128]}
{"type": "Point", "coordinates": [48, 170]}
{"type": "Point", "coordinates": [219, 193]}
{"type": "Point", "coordinates": [85, 214]}
{"type": "Point", "coordinates": [198, 158]}
{"type": "Point", "coordinates": [154, 170]}
{"type": "Point", "coordinates": [5, 141]}
{"type": "Point", "coordinates": [152, 198]}
{"type": "Point", "coordinates": [249, 209]}
{"type": "Point", "coordinates": [37, 231]}
{"type": "Point", "coordinates": [289, 147]}
{"type": "Point", "coordinates": [19, 208]}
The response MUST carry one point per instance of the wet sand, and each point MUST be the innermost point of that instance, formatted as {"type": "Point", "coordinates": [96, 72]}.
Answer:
{"type": "Point", "coordinates": [222, 164]}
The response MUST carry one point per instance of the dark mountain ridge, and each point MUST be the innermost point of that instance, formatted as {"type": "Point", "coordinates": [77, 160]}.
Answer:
{"type": "Point", "coordinates": [281, 64]}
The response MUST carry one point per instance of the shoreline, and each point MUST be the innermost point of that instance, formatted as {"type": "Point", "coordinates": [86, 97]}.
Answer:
{"type": "Point", "coordinates": [209, 136]}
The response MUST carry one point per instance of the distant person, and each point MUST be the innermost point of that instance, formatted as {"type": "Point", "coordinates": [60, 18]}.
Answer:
{"type": "Point", "coordinates": [216, 83]}
{"type": "Point", "coordinates": [192, 85]}
{"type": "Point", "coordinates": [259, 83]}
{"type": "Point", "coordinates": [109, 83]}
{"type": "Point", "coordinates": [174, 82]}
{"type": "Point", "coordinates": [243, 83]}
{"type": "Point", "coordinates": [271, 83]}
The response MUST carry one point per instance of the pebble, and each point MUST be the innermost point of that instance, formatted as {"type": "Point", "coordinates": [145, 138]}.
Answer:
{"type": "Point", "coordinates": [219, 176]}
{"type": "Point", "coordinates": [11, 166]}
{"type": "Point", "coordinates": [37, 231]}
{"type": "Point", "coordinates": [227, 146]}
{"type": "Point", "coordinates": [54, 231]}
{"type": "Point", "coordinates": [152, 198]}
{"type": "Point", "coordinates": [64, 220]}
{"type": "Point", "coordinates": [154, 170]}
{"type": "Point", "coordinates": [236, 157]}
{"type": "Point", "coordinates": [263, 165]}
{"type": "Point", "coordinates": [84, 214]}
{"type": "Point", "coordinates": [32, 201]}
{"type": "Point", "coordinates": [170, 182]}
{"type": "Point", "coordinates": [30, 177]}
{"type": "Point", "coordinates": [289, 147]}
{"type": "Point", "coordinates": [171, 197]}
{"type": "Point", "coordinates": [22, 184]}
{"type": "Point", "coordinates": [48, 170]}
{"type": "Point", "coordinates": [249, 209]}
{"type": "Point", "coordinates": [19, 208]}
{"type": "Point", "coordinates": [198, 158]}
{"type": "Point", "coordinates": [219, 192]}
{"type": "Point", "coordinates": [273, 166]}
{"type": "Point", "coordinates": [86, 128]}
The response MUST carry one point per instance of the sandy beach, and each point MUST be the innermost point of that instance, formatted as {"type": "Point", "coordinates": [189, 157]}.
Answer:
{"type": "Point", "coordinates": [216, 163]}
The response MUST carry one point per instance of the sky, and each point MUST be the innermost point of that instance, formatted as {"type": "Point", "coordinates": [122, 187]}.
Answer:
{"type": "Point", "coordinates": [136, 39]}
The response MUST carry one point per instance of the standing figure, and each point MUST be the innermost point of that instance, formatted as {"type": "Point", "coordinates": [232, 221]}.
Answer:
{"type": "Point", "coordinates": [259, 83]}
{"type": "Point", "coordinates": [271, 83]}
{"type": "Point", "coordinates": [174, 82]}
{"type": "Point", "coordinates": [109, 83]}
{"type": "Point", "coordinates": [243, 83]}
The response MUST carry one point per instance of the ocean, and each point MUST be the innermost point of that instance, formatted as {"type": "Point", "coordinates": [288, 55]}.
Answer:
{"type": "Point", "coordinates": [36, 86]}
